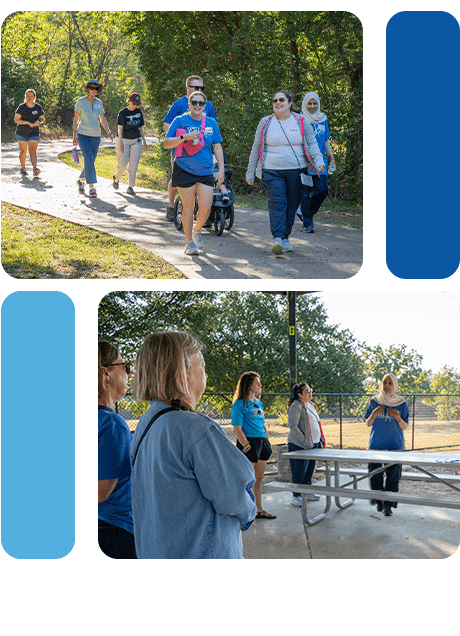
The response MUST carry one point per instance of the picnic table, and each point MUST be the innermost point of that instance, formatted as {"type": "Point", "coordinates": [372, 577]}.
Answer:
{"type": "Point", "coordinates": [420, 462]}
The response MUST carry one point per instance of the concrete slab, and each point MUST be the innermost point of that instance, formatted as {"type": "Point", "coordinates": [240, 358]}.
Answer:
{"type": "Point", "coordinates": [357, 532]}
{"type": "Point", "coordinates": [244, 252]}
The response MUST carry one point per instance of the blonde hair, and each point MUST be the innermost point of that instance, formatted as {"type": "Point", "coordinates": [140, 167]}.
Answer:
{"type": "Point", "coordinates": [162, 363]}
{"type": "Point", "coordinates": [195, 78]}
{"type": "Point", "coordinates": [107, 354]}
{"type": "Point", "coordinates": [30, 90]}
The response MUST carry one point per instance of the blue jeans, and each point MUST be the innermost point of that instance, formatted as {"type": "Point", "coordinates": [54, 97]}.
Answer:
{"type": "Point", "coordinates": [302, 471]}
{"type": "Point", "coordinates": [89, 147]}
{"type": "Point", "coordinates": [313, 198]}
{"type": "Point", "coordinates": [284, 190]}
{"type": "Point", "coordinates": [115, 542]}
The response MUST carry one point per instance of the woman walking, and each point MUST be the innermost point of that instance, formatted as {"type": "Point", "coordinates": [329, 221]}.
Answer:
{"type": "Point", "coordinates": [131, 141]}
{"type": "Point", "coordinates": [284, 147]}
{"type": "Point", "coordinates": [28, 118]}
{"type": "Point", "coordinates": [388, 414]}
{"type": "Point", "coordinates": [87, 121]}
{"type": "Point", "coordinates": [315, 195]}
{"type": "Point", "coordinates": [248, 420]}
{"type": "Point", "coordinates": [195, 137]}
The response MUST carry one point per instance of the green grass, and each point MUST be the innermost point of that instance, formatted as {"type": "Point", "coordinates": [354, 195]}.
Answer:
{"type": "Point", "coordinates": [151, 174]}
{"type": "Point", "coordinates": [35, 245]}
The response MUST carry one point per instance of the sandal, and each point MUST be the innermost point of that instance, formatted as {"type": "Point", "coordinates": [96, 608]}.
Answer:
{"type": "Point", "coordinates": [263, 514]}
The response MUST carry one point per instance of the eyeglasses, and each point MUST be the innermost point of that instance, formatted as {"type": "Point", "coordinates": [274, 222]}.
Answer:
{"type": "Point", "coordinates": [197, 88]}
{"type": "Point", "coordinates": [275, 100]}
{"type": "Point", "coordinates": [195, 102]}
{"type": "Point", "coordinates": [117, 364]}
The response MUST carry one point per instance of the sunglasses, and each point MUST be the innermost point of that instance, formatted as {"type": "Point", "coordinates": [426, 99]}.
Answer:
{"type": "Point", "coordinates": [197, 88]}
{"type": "Point", "coordinates": [117, 364]}
{"type": "Point", "coordinates": [278, 99]}
{"type": "Point", "coordinates": [195, 102]}
{"type": "Point", "coordinates": [93, 88]}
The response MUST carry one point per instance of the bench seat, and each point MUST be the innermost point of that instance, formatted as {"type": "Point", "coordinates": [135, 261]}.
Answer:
{"type": "Point", "coordinates": [405, 475]}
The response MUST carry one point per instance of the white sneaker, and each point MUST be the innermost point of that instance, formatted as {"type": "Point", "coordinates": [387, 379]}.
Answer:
{"type": "Point", "coordinates": [277, 247]}
{"type": "Point", "coordinates": [312, 497]}
{"type": "Point", "coordinates": [287, 247]}
{"type": "Point", "coordinates": [191, 249]}
{"type": "Point", "coordinates": [296, 501]}
{"type": "Point", "coordinates": [198, 239]}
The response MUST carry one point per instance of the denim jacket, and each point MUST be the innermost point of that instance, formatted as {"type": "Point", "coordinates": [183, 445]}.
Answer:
{"type": "Point", "coordinates": [191, 489]}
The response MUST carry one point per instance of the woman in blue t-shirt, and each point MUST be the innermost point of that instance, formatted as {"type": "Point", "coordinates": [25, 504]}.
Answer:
{"type": "Point", "coordinates": [193, 171]}
{"type": "Point", "coordinates": [315, 195]}
{"type": "Point", "coordinates": [248, 421]}
{"type": "Point", "coordinates": [116, 531]}
{"type": "Point", "coordinates": [388, 414]}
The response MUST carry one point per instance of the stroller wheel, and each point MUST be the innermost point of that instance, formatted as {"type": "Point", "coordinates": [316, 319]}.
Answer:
{"type": "Point", "coordinates": [219, 221]}
{"type": "Point", "coordinates": [178, 214]}
{"type": "Point", "coordinates": [229, 217]}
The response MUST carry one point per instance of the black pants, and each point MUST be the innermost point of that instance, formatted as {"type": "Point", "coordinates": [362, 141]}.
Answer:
{"type": "Point", "coordinates": [116, 542]}
{"type": "Point", "coordinates": [393, 475]}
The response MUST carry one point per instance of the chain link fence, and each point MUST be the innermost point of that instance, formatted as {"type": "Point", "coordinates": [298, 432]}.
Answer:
{"type": "Point", "coordinates": [434, 419]}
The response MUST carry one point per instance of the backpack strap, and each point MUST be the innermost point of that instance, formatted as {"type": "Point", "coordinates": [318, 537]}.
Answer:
{"type": "Point", "coordinates": [147, 428]}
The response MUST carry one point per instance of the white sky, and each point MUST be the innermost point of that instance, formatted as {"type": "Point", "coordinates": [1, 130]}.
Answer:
{"type": "Point", "coordinates": [426, 322]}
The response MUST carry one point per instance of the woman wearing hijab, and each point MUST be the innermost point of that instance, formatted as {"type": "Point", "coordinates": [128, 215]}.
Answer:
{"type": "Point", "coordinates": [315, 195]}
{"type": "Point", "coordinates": [305, 432]}
{"type": "Point", "coordinates": [388, 414]}
{"type": "Point", "coordinates": [284, 148]}
{"type": "Point", "coordinates": [87, 121]}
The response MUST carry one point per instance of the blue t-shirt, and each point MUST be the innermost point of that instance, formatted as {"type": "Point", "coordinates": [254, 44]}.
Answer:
{"type": "Point", "coordinates": [250, 417]}
{"type": "Point", "coordinates": [321, 135]}
{"type": "Point", "coordinates": [386, 434]}
{"type": "Point", "coordinates": [180, 107]}
{"type": "Point", "coordinates": [200, 164]}
{"type": "Point", "coordinates": [114, 442]}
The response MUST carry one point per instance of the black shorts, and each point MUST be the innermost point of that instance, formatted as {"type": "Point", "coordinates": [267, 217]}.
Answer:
{"type": "Point", "coordinates": [260, 449]}
{"type": "Point", "coordinates": [183, 179]}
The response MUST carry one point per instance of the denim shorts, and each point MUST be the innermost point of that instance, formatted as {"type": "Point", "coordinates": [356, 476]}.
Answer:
{"type": "Point", "coordinates": [21, 138]}
{"type": "Point", "coordinates": [260, 449]}
{"type": "Point", "coordinates": [183, 179]}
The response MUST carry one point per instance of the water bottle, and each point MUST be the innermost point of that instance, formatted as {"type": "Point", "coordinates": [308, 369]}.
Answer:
{"type": "Point", "coordinates": [75, 155]}
{"type": "Point", "coordinates": [331, 169]}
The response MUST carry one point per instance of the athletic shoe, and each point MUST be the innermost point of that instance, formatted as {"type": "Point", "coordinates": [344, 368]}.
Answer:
{"type": "Point", "coordinates": [130, 191]}
{"type": "Point", "coordinates": [191, 249]}
{"type": "Point", "coordinates": [170, 213]}
{"type": "Point", "coordinates": [36, 172]}
{"type": "Point", "coordinates": [309, 228]}
{"type": "Point", "coordinates": [115, 183]}
{"type": "Point", "coordinates": [388, 512]}
{"type": "Point", "coordinates": [312, 497]}
{"type": "Point", "coordinates": [92, 192]}
{"type": "Point", "coordinates": [277, 247]}
{"type": "Point", "coordinates": [225, 197]}
{"type": "Point", "coordinates": [198, 239]}
{"type": "Point", "coordinates": [287, 247]}
{"type": "Point", "coordinates": [81, 186]}
{"type": "Point", "coordinates": [296, 501]}
{"type": "Point", "coordinates": [23, 171]}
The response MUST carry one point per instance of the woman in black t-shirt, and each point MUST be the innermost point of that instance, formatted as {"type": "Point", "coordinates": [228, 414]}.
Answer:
{"type": "Point", "coordinates": [131, 140]}
{"type": "Point", "coordinates": [28, 117]}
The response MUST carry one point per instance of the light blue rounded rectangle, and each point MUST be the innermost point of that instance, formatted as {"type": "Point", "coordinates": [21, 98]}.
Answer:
{"type": "Point", "coordinates": [423, 135]}
{"type": "Point", "coordinates": [38, 425]}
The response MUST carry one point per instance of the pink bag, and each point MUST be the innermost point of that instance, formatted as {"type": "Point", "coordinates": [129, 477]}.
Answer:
{"type": "Point", "coordinates": [190, 147]}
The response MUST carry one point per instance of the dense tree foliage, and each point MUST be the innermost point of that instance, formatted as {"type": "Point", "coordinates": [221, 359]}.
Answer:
{"type": "Point", "coordinates": [244, 57]}
{"type": "Point", "coordinates": [57, 52]}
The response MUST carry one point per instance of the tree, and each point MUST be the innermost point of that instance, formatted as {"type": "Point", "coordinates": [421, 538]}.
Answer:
{"type": "Point", "coordinates": [404, 363]}
{"type": "Point", "coordinates": [447, 383]}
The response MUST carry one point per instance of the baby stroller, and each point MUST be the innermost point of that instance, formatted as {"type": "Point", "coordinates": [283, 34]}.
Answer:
{"type": "Point", "coordinates": [222, 212]}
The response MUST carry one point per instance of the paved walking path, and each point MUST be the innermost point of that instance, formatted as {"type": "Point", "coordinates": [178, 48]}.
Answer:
{"type": "Point", "coordinates": [244, 252]}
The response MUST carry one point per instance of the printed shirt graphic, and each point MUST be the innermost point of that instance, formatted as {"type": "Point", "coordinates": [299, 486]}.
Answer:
{"type": "Point", "coordinates": [250, 417]}
{"type": "Point", "coordinates": [131, 120]}
{"type": "Point", "coordinates": [202, 163]}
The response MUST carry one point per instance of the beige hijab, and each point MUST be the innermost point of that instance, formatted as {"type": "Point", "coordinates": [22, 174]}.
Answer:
{"type": "Point", "coordinates": [389, 399]}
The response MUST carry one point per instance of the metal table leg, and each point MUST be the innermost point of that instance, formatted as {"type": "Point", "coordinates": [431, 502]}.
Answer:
{"type": "Point", "coordinates": [347, 502]}
{"type": "Point", "coordinates": [310, 522]}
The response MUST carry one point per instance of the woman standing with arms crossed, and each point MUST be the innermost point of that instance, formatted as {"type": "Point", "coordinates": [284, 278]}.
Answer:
{"type": "Point", "coordinates": [284, 147]}
{"type": "Point", "coordinates": [248, 420]}
{"type": "Point", "coordinates": [388, 414]}
{"type": "Point", "coordinates": [88, 117]}
{"type": "Point", "coordinates": [29, 115]}
{"type": "Point", "coordinates": [193, 173]}
{"type": "Point", "coordinates": [115, 520]}
{"type": "Point", "coordinates": [305, 432]}
{"type": "Point", "coordinates": [128, 145]}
